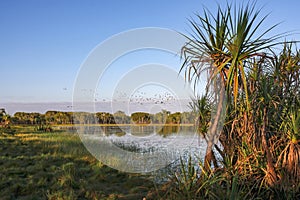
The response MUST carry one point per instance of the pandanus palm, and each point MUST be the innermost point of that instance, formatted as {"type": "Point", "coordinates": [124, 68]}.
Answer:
{"type": "Point", "coordinates": [287, 79]}
{"type": "Point", "coordinates": [224, 44]}
{"type": "Point", "coordinates": [289, 158]}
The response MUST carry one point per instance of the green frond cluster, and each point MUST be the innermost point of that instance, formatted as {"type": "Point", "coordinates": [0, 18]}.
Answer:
{"type": "Point", "coordinates": [225, 43]}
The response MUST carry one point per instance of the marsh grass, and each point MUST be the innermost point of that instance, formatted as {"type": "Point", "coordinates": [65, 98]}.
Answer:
{"type": "Point", "coordinates": [39, 165]}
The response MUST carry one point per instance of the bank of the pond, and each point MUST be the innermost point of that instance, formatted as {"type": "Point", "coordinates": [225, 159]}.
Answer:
{"type": "Point", "coordinates": [36, 165]}
{"type": "Point", "coordinates": [122, 125]}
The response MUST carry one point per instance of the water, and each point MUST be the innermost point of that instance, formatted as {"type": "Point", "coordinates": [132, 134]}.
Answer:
{"type": "Point", "coordinates": [142, 149]}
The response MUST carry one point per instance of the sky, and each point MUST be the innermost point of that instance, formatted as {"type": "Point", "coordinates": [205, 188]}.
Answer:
{"type": "Point", "coordinates": [44, 43]}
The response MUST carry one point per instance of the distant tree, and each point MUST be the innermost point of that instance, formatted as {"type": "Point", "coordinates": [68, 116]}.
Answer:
{"type": "Point", "coordinates": [59, 117]}
{"type": "Point", "coordinates": [23, 118]}
{"type": "Point", "coordinates": [5, 118]}
{"type": "Point", "coordinates": [50, 117]}
{"type": "Point", "coordinates": [140, 118]}
{"type": "Point", "coordinates": [2, 113]}
{"type": "Point", "coordinates": [174, 118]}
{"type": "Point", "coordinates": [121, 118]}
{"type": "Point", "coordinates": [62, 118]}
{"type": "Point", "coordinates": [158, 118]}
{"type": "Point", "coordinates": [165, 114]}
{"type": "Point", "coordinates": [85, 118]}
{"type": "Point", "coordinates": [188, 118]}
{"type": "Point", "coordinates": [35, 118]}
{"type": "Point", "coordinates": [105, 118]}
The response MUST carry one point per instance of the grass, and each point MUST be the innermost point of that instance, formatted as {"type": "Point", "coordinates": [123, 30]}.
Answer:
{"type": "Point", "coordinates": [37, 165]}
{"type": "Point", "coordinates": [56, 165]}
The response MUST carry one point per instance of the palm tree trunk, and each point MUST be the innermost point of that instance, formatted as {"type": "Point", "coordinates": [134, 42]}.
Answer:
{"type": "Point", "coordinates": [213, 132]}
{"type": "Point", "coordinates": [208, 156]}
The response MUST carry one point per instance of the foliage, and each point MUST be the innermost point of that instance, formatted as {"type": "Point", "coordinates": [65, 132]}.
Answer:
{"type": "Point", "coordinates": [259, 145]}
{"type": "Point", "coordinates": [119, 117]}
{"type": "Point", "coordinates": [224, 44]}
{"type": "Point", "coordinates": [141, 118]}
{"type": "Point", "coordinates": [105, 118]}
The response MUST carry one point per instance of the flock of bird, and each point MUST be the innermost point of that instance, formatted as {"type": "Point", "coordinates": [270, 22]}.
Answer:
{"type": "Point", "coordinates": [141, 97]}
{"type": "Point", "coordinates": [138, 97]}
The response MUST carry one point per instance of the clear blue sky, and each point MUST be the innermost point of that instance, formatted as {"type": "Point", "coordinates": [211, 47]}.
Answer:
{"type": "Point", "coordinates": [43, 42]}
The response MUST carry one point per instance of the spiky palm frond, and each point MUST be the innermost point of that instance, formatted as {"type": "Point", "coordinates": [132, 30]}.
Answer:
{"type": "Point", "coordinates": [224, 43]}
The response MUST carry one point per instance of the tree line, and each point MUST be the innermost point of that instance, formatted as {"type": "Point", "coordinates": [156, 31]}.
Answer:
{"type": "Point", "coordinates": [119, 117]}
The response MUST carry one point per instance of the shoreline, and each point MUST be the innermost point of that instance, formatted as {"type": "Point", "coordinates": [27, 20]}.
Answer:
{"type": "Point", "coordinates": [122, 125]}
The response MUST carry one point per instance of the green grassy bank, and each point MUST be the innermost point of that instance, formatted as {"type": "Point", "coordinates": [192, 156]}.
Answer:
{"type": "Point", "coordinates": [38, 165]}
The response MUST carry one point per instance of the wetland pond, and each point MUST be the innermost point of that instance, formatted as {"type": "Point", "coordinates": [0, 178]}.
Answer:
{"type": "Point", "coordinates": [142, 148]}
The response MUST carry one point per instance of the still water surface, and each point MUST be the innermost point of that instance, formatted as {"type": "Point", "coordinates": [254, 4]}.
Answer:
{"type": "Point", "coordinates": [142, 148]}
